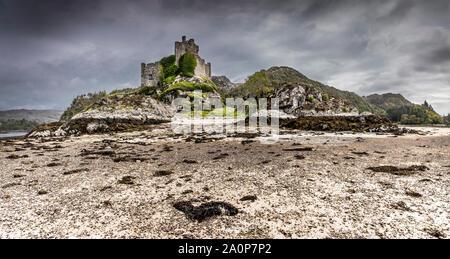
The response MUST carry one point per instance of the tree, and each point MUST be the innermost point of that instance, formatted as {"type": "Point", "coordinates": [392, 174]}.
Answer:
{"type": "Point", "coordinates": [167, 61]}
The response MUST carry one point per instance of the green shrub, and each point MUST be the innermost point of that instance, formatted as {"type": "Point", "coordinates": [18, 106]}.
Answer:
{"type": "Point", "coordinates": [188, 86]}
{"type": "Point", "coordinates": [170, 71]}
{"type": "Point", "coordinates": [82, 103]}
{"type": "Point", "coordinates": [169, 80]}
{"type": "Point", "coordinates": [310, 99]}
{"type": "Point", "coordinates": [325, 97]}
{"type": "Point", "coordinates": [167, 61]}
{"type": "Point", "coordinates": [257, 85]}
{"type": "Point", "coordinates": [188, 63]}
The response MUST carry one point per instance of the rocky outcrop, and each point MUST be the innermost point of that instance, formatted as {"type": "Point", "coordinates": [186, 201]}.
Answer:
{"type": "Point", "coordinates": [113, 114]}
{"type": "Point", "coordinates": [223, 82]}
{"type": "Point", "coordinates": [45, 130]}
{"type": "Point", "coordinates": [131, 107]}
{"type": "Point", "coordinates": [279, 75]}
{"type": "Point", "coordinates": [301, 100]}
{"type": "Point", "coordinates": [319, 112]}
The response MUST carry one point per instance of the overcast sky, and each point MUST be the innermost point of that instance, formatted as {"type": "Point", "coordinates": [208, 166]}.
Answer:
{"type": "Point", "coordinates": [51, 51]}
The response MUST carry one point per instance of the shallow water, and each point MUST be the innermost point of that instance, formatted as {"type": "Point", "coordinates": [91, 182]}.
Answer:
{"type": "Point", "coordinates": [13, 134]}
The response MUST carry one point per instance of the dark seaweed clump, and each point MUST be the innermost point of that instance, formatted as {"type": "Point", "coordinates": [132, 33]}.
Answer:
{"type": "Point", "coordinates": [251, 198]}
{"type": "Point", "coordinates": [399, 171]}
{"type": "Point", "coordinates": [205, 210]}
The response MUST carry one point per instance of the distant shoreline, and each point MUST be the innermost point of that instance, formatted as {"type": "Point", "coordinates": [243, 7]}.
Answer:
{"type": "Point", "coordinates": [425, 125]}
{"type": "Point", "coordinates": [12, 134]}
{"type": "Point", "coordinates": [14, 131]}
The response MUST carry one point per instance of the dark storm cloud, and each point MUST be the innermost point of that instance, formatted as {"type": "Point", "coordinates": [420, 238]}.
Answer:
{"type": "Point", "coordinates": [441, 55]}
{"type": "Point", "coordinates": [53, 50]}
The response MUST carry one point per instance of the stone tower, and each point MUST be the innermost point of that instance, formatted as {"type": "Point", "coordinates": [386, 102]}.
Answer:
{"type": "Point", "coordinates": [203, 68]}
{"type": "Point", "coordinates": [150, 72]}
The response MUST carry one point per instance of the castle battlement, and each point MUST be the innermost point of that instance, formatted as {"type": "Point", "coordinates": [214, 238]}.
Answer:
{"type": "Point", "coordinates": [150, 72]}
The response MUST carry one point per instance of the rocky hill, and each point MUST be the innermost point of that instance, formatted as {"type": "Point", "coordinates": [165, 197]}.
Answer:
{"type": "Point", "coordinates": [126, 110]}
{"type": "Point", "coordinates": [265, 83]}
{"type": "Point", "coordinates": [41, 116]}
{"type": "Point", "coordinates": [137, 109]}
{"type": "Point", "coordinates": [388, 101]}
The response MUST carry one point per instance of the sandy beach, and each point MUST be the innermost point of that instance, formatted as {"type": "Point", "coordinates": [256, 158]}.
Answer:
{"type": "Point", "coordinates": [155, 184]}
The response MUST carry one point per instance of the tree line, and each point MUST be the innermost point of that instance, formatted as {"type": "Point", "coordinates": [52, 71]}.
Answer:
{"type": "Point", "coordinates": [415, 114]}
{"type": "Point", "coordinates": [16, 125]}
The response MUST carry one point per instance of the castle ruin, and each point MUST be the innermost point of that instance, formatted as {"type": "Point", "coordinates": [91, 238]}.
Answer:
{"type": "Point", "coordinates": [150, 73]}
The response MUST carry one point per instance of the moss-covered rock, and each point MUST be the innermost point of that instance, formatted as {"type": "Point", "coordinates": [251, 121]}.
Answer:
{"type": "Point", "coordinates": [189, 86]}
{"type": "Point", "coordinates": [370, 123]}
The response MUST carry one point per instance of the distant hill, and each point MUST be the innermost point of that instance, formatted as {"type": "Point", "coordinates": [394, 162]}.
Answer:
{"type": "Point", "coordinates": [388, 101]}
{"type": "Point", "coordinates": [41, 116]}
{"type": "Point", "coordinates": [447, 118]}
{"type": "Point", "coordinates": [264, 82]}
{"type": "Point", "coordinates": [399, 109]}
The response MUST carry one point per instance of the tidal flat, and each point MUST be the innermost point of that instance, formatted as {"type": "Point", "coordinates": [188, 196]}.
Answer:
{"type": "Point", "coordinates": [156, 184]}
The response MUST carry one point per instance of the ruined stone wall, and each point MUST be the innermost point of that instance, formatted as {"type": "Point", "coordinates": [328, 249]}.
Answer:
{"type": "Point", "coordinates": [208, 70]}
{"type": "Point", "coordinates": [150, 74]}
{"type": "Point", "coordinates": [203, 68]}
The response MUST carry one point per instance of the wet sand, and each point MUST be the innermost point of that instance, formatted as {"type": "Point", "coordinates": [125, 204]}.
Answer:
{"type": "Point", "coordinates": [307, 185]}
